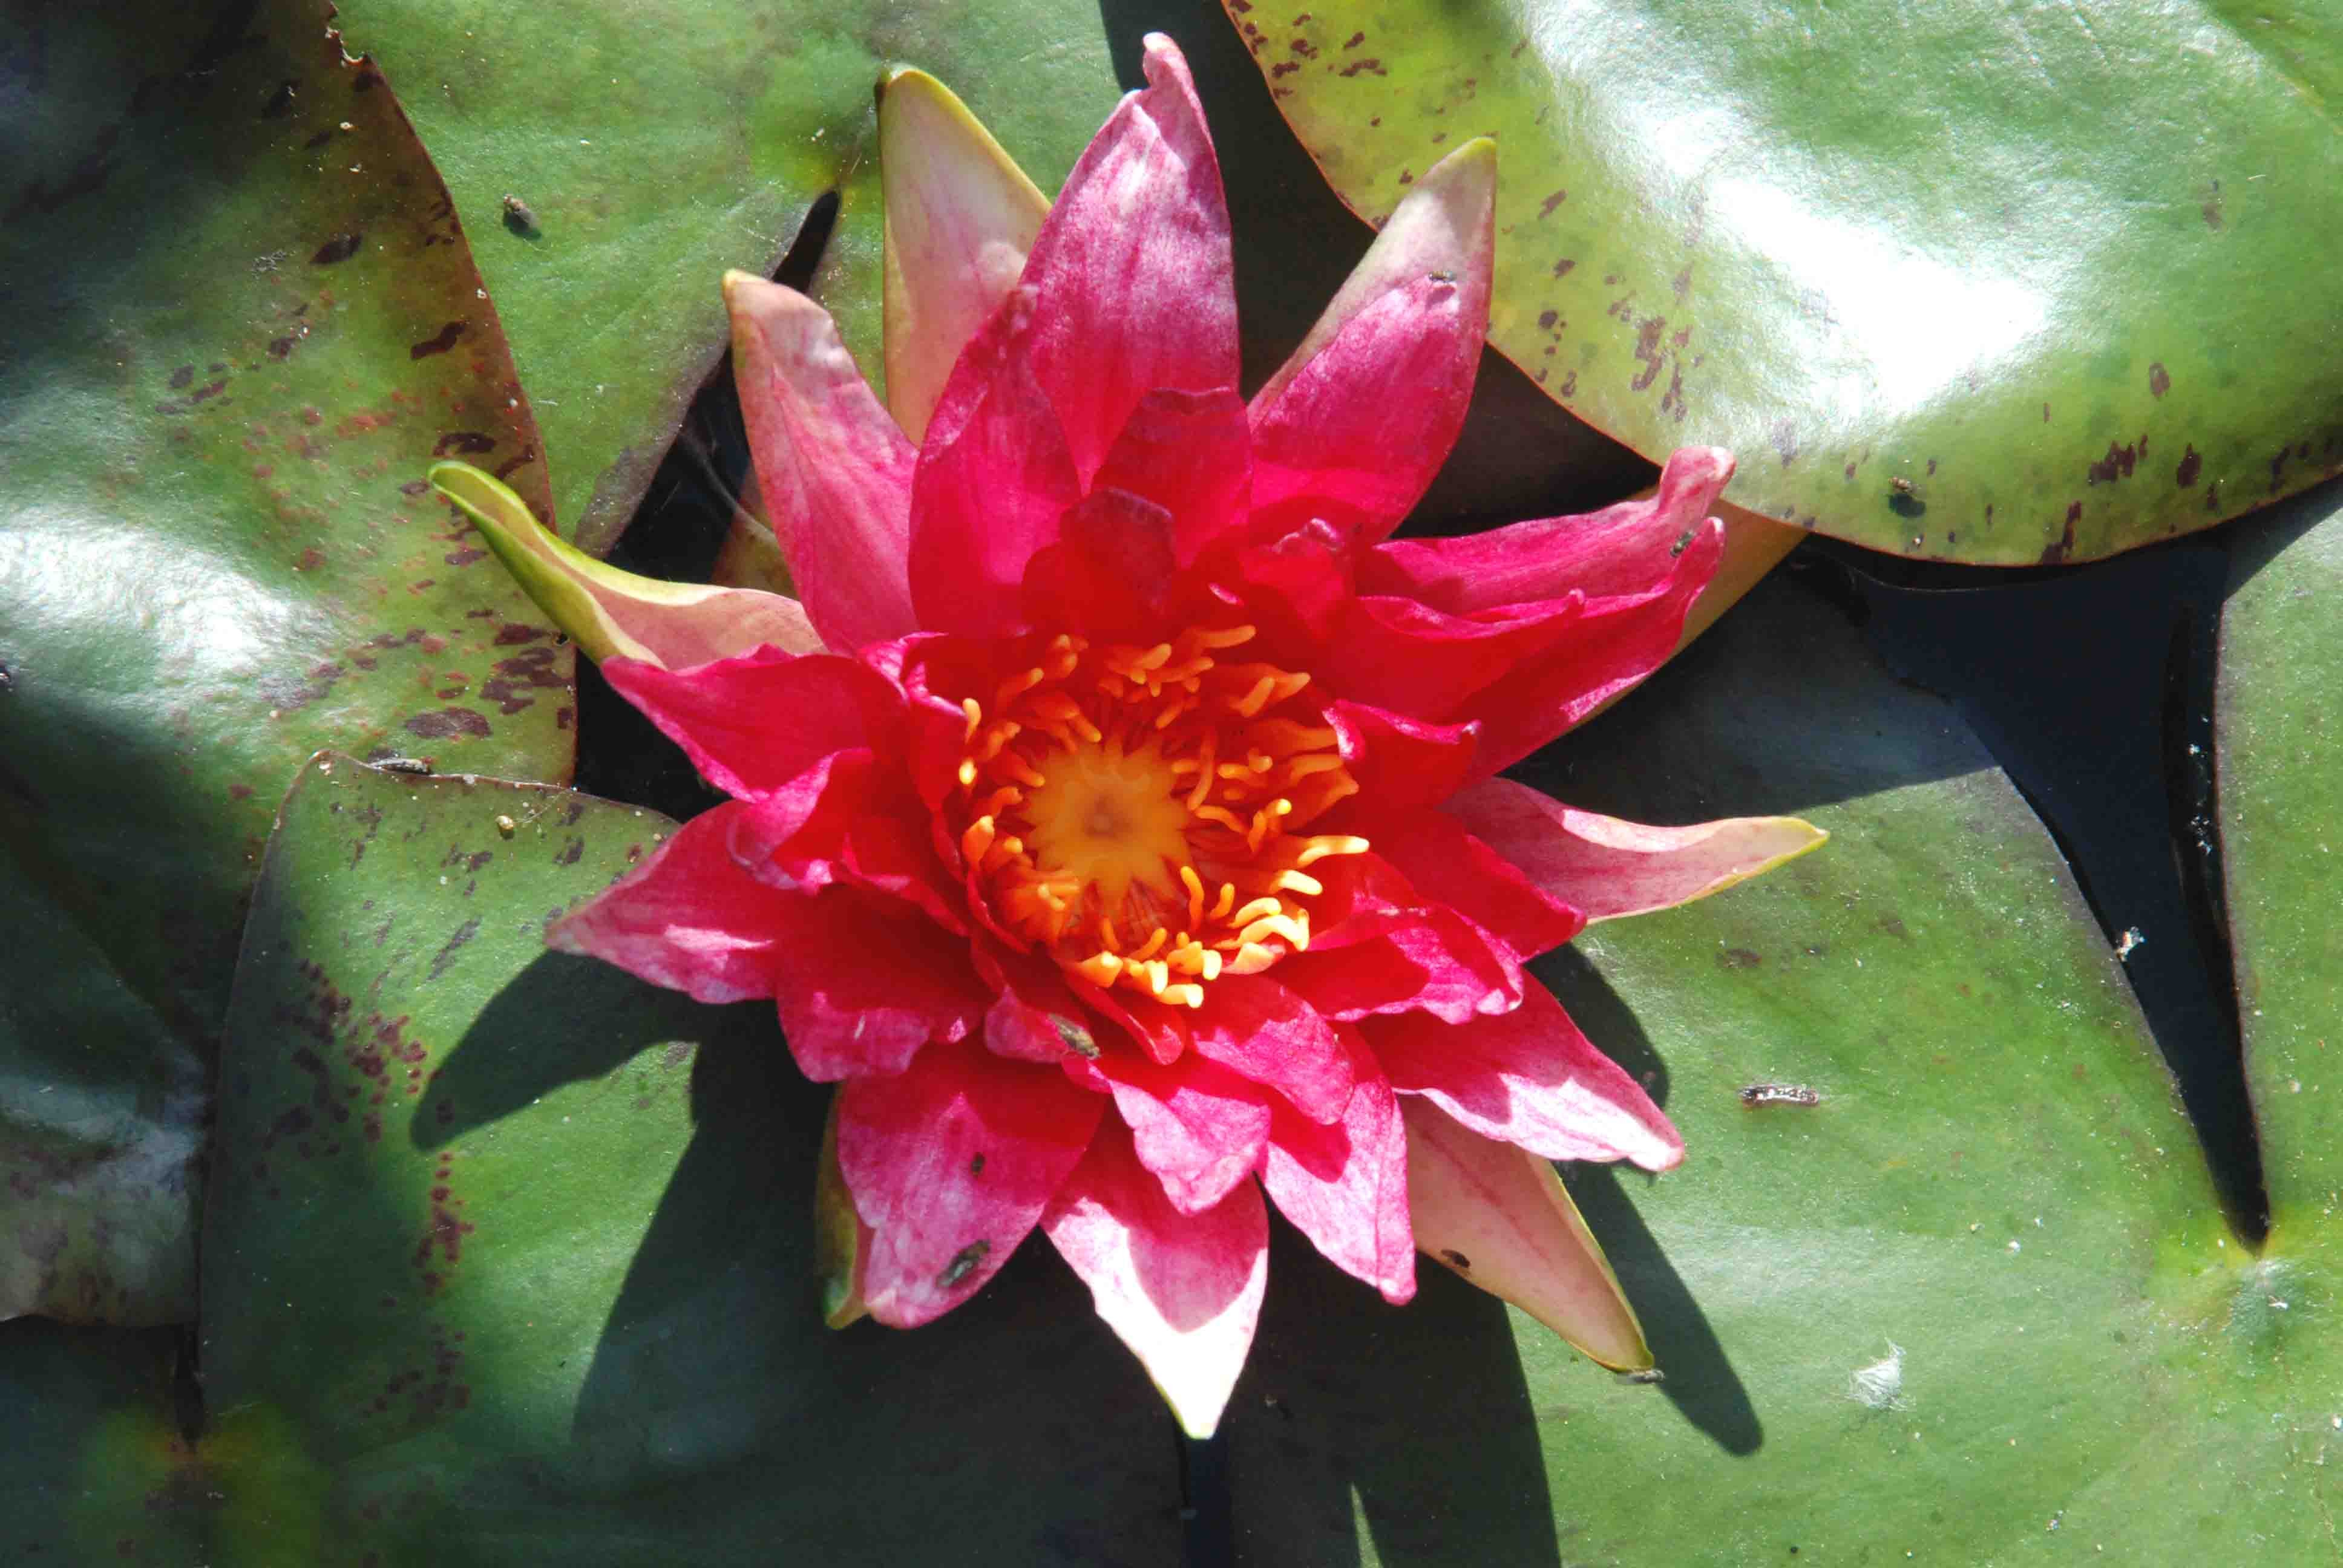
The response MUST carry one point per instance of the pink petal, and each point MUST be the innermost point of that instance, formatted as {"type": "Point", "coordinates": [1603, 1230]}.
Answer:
{"type": "Point", "coordinates": [1345, 1186]}
{"type": "Point", "coordinates": [753, 723]}
{"type": "Point", "coordinates": [1608, 868]}
{"type": "Point", "coordinates": [1133, 267]}
{"type": "Point", "coordinates": [960, 215]}
{"type": "Point", "coordinates": [1182, 1290]}
{"type": "Point", "coordinates": [891, 852]}
{"type": "Point", "coordinates": [1108, 572]}
{"type": "Point", "coordinates": [690, 918]}
{"type": "Point", "coordinates": [614, 614]}
{"type": "Point", "coordinates": [862, 982]}
{"type": "Point", "coordinates": [1365, 897]}
{"type": "Point", "coordinates": [1528, 1077]}
{"type": "Point", "coordinates": [1621, 550]}
{"type": "Point", "coordinates": [1271, 1035]}
{"type": "Point", "coordinates": [994, 477]}
{"type": "Point", "coordinates": [835, 470]}
{"type": "Point", "coordinates": [1022, 1034]}
{"type": "Point", "coordinates": [1401, 761]}
{"type": "Point", "coordinates": [1296, 589]}
{"type": "Point", "coordinates": [1199, 1127]}
{"type": "Point", "coordinates": [1189, 452]}
{"type": "Point", "coordinates": [1451, 867]}
{"type": "Point", "coordinates": [1601, 656]}
{"type": "Point", "coordinates": [1159, 1030]}
{"type": "Point", "coordinates": [794, 838]}
{"type": "Point", "coordinates": [1502, 1218]}
{"type": "Point", "coordinates": [1431, 960]}
{"type": "Point", "coordinates": [951, 1163]}
{"type": "Point", "coordinates": [1411, 659]}
{"type": "Point", "coordinates": [1355, 425]}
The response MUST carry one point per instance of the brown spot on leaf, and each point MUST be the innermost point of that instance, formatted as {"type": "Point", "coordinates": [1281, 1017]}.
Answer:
{"type": "Point", "coordinates": [449, 721]}
{"type": "Point", "coordinates": [438, 343]}
{"type": "Point", "coordinates": [1785, 437]}
{"type": "Point", "coordinates": [463, 441]}
{"type": "Point", "coordinates": [2061, 548]}
{"type": "Point", "coordinates": [2116, 465]}
{"type": "Point", "coordinates": [2191, 461]}
{"type": "Point", "coordinates": [341, 247]}
{"type": "Point", "coordinates": [519, 460]}
{"type": "Point", "coordinates": [1649, 350]}
{"type": "Point", "coordinates": [1738, 958]}
{"type": "Point", "coordinates": [2158, 382]}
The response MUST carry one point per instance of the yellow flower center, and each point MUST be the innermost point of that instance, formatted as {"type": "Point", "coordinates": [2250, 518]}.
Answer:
{"type": "Point", "coordinates": [1133, 811]}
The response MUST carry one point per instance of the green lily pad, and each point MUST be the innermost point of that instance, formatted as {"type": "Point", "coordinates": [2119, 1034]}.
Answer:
{"type": "Point", "coordinates": [2281, 807]}
{"type": "Point", "coordinates": [1976, 1301]}
{"type": "Point", "coordinates": [239, 319]}
{"type": "Point", "coordinates": [98, 1470]}
{"type": "Point", "coordinates": [518, 1251]}
{"type": "Point", "coordinates": [653, 145]}
{"type": "Point", "coordinates": [1956, 282]}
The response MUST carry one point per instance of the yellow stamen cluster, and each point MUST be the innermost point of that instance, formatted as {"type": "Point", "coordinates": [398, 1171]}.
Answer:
{"type": "Point", "coordinates": [1133, 811]}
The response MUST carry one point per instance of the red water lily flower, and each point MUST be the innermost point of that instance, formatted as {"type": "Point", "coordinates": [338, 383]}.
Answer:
{"type": "Point", "coordinates": [1118, 823]}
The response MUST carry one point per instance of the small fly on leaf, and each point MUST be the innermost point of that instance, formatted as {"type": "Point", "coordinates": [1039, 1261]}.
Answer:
{"type": "Point", "coordinates": [518, 217]}
{"type": "Point", "coordinates": [1758, 1094]}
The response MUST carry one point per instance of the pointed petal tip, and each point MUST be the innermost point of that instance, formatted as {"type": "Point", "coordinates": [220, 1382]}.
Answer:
{"type": "Point", "coordinates": [1474, 160]}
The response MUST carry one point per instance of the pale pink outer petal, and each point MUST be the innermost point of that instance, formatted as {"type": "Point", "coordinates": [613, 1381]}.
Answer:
{"type": "Point", "coordinates": [951, 1163]}
{"type": "Point", "coordinates": [690, 918]}
{"type": "Point", "coordinates": [1607, 868]}
{"type": "Point", "coordinates": [1357, 422]}
{"type": "Point", "coordinates": [1619, 551]}
{"type": "Point", "coordinates": [1529, 1078]}
{"type": "Point", "coordinates": [1182, 1290]}
{"type": "Point", "coordinates": [610, 613]}
{"type": "Point", "coordinates": [961, 216]}
{"type": "Point", "coordinates": [1345, 1186]}
{"type": "Point", "coordinates": [1502, 1219]}
{"type": "Point", "coordinates": [835, 469]}
{"type": "Point", "coordinates": [1133, 267]}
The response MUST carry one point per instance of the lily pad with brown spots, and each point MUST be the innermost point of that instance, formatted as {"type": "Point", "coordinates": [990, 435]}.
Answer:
{"type": "Point", "coordinates": [518, 1251]}
{"type": "Point", "coordinates": [1943, 1271]}
{"type": "Point", "coordinates": [238, 319]}
{"type": "Point", "coordinates": [1956, 281]}
{"type": "Point", "coordinates": [655, 143]}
